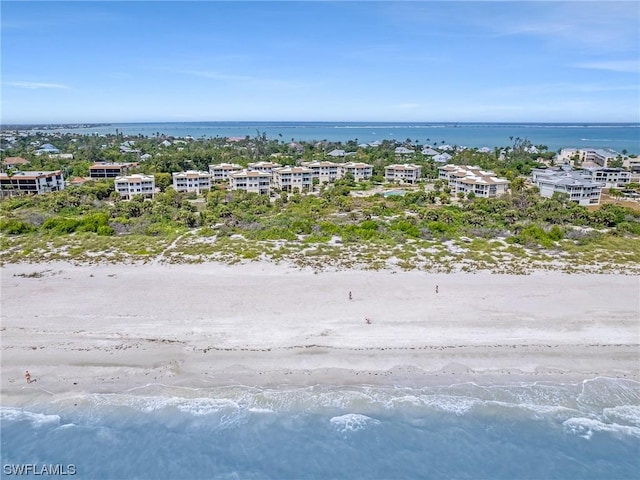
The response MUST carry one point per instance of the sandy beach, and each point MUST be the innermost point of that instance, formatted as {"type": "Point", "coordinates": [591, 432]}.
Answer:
{"type": "Point", "coordinates": [113, 328]}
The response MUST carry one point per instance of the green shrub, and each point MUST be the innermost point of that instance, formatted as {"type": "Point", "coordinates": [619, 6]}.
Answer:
{"type": "Point", "coordinates": [61, 225]}
{"type": "Point", "coordinates": [105, 231]}
{"type": "Point", "coordinates": [13, 226]}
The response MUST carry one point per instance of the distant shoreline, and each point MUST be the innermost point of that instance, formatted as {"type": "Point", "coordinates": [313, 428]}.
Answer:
{"type": "Point", "coordinates": [555, 135]}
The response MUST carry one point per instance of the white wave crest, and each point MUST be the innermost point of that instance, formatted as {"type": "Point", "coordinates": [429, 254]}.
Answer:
{"type": "Point", "coordinates": [352, 422]}
{"type": "Point", "coordinates": [8, 414]}
{"type": "Point", "coordinates": [624, 414]}
{"type": "Point", "coordinates": [585, 427]}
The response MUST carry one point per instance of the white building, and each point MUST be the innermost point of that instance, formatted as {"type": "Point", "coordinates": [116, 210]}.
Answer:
{"type": "Point", "coordinates": [191, 181]}
{"type": "Point", "coordinates": [251, 181]}
{"type": "Point", "coordinates": [293, 178]}
{"type": "Point", "coordinates": [403, 152]}
{"type": "Point", "coordinates": [467, 179]}
{"type": "Point", "coordinates": [610, 177]}
{"type": "Point", "coordinates": [31, 182]}
{"type": "Point", "coordinates": [360, 171]}
{"type": "Point", "coordinates": [599, 156]}
{"type": "Point", "coordinates": [263, 166]}
{"type": "Point", "coordinates": [136, 184]}
{"type": "Point", "coordinates": [429, 152]}
{"type": "Point", "coordinates": [564, 180]}
{"type": "Point", "coordinates": [222, 171]}
{"type": "Point", "coordinates": [324, 171]}
{"type": "Point", "coordinates": [336, 153]}
{"type": "Point", "coordinates": [442, 157]}
{"type": "Point", "coordinates": [406, 173]}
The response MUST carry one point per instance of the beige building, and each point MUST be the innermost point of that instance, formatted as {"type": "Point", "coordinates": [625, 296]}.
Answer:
{"type": "Point", "coordinates": [324, 171]}
{"type": "Point", "coordinates": [191, 181]}
{"type": "Point", "coordinates": [31, 182]}
{"type": "Point", "coordinates": [360, 171]}
{"type": "Point", "coordinates": [405, 173]}
{"type": "Point", "coordinates": [221, 172]}
{"type": "Point", "coordinates": [293, 179]}
{"type": "Point", "coordinates": [251, 181]}
{"type": "Point", "coordinates": [136, 184]}
{"type": "Point", "coordinates": [15, 162]}
{"type": "Point", "coordinates": [263, 166]}
{"type": "Point", "coordinates": [467, 179]}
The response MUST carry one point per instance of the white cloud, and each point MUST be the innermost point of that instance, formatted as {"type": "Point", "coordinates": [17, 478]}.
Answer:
{"type": "Point", "coordinates": [35, 85]}
{"type": "Point", "coordinates": [632, 66]}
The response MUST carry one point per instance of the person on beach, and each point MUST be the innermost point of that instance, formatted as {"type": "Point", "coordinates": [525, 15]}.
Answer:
{"type": "Point", "coordinates": [350, 296]}
{"type": "Point", "coordinates": [27, 375]}
{"type": "Point", "coordinates": [368, 320]}
{"type": "Point", "coordinates": [436, 288]}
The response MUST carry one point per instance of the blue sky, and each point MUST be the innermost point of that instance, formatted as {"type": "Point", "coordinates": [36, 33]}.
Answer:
{"type": "Point", "coordinates": [127, 61]}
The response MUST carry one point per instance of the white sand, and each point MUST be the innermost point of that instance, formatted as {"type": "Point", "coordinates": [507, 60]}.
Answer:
{"type": "Point", "coordinates": [114, 328]}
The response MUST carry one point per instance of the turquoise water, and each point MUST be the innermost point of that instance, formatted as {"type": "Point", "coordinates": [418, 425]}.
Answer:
{"type": "Point", "coordinates": [622, 136]}
{"type": "Point", "coordinates": [536, 430]}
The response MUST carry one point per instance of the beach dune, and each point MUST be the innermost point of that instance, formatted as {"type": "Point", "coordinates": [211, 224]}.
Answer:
{"type": "Point", "coordinates": [112, 328]}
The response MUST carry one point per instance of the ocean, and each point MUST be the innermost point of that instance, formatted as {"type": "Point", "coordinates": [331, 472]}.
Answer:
{"type": "Point", "coordinates": [587, 430]}
{"type": "Point", "coordinates": [619, 136]}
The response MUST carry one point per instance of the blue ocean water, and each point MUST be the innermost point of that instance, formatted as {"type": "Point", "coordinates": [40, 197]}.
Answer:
{"type": "Point", "coordinates": [589, 430]}
{"type": "Point", "coordinates": [619, 136]}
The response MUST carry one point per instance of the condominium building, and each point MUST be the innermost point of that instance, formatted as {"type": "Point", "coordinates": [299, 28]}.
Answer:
{"type": "Point", "coordinates": [136, 184]}
{"type": "Point", "coordinates": [110, 169]}
{"type": "Point", "coordinates": [293, 178]}
{"type": "Point", "coordinates": [263, 166]}
{"type": "Point", "coordinates": [467, 179]}
{"type": "Point", "coordinates": [324, 171]}
{"type": "Point", "coordinates": [406, 173]}
{"type": "Point", "coordinates": [580, 189]}
{"type": "Point", "coordinates": [222, 171]}
{"type": "Point", "coordinates": [600, 156]}
{"type": "Point", "coordinates": [251, 181]}
{"type": "Point", "coordinates": [31, 182]}
{"type": "Point", "coordinates": [360, 171]}
{"type": "Point", "coordinates": [610, 177]}
{"type": "Point", "coordinates": [191, 181]}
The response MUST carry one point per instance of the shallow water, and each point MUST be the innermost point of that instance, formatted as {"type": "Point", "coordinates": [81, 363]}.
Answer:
{"type": "Point", "coordinates": [541, 430]}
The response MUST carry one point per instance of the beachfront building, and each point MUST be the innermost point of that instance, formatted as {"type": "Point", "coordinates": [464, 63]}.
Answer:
{"type": "Point", "coordinates": [292, 179]}
{"type": "Point", "coordinates": [191, 181]}
{"type": "Point", "coordinates": [471, 179]}
{"type": "Point", "coordinates": [404, 173]}
{"type": "Point", "coordinates": [598, 156]}
{"type": "Point", "coordinates": [263, 166]}
{"type": "Point", "coordinates": [101, 170]}
{"type": "Point", "coordinates": [31, 182]}
{"type": "Point", "coordinates": [251, 181]}
{"type": "Point", "coordinates": [580, 189]}
{"type": "Point", "coordinates": [137, 184]}
{"type": "Point", "coordinates": [324, 171]}
{"type": "Point", "coordinates": [221, 172]}
{"type": "Point", "coordinates": [360, 171]}
{"type": "Point", "coordinates": [610, 177]}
